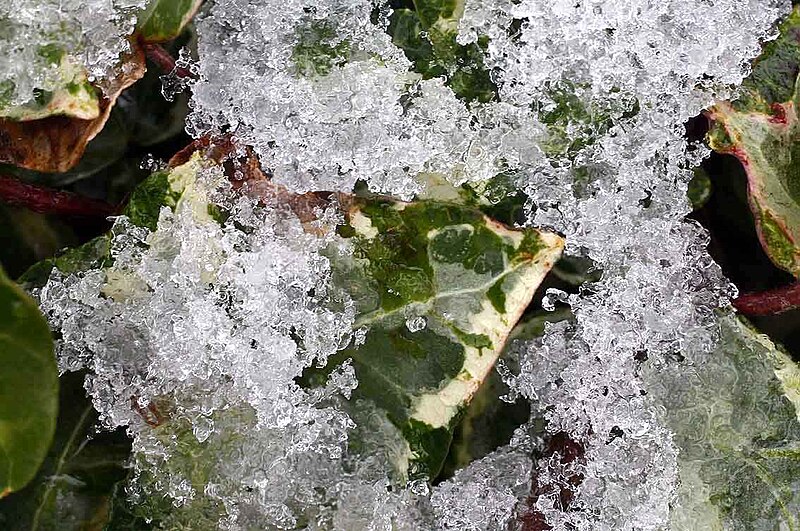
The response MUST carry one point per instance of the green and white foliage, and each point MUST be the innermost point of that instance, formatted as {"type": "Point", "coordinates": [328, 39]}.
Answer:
{"type": "Point", "coordinates": [735, 415]}
{"type": "Point", "coordinates": [762, 129]}
{"type": "Point", "coordinates": [438, 287]}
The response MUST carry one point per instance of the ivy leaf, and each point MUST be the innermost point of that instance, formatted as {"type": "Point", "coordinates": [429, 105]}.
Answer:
{"type": "Point", "coordinates": [163, 20]}
{"type": "Point", "coordinates": [762, 130]}
{"type": "Point", "coordinates": [55, 143]}
{"type": "Point", "coordinates": [735, 420]}
{"type": "Point", "coordinates": [73, 488]}
{"type": "Point", "coordinates": [28, 387]}
{"type": "Point", "coordinates": [438, 287]}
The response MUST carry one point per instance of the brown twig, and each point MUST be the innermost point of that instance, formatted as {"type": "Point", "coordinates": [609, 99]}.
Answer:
{"type": "Point", "coordinates": [50, 201]}
{"type": "Point", "coordinates": [162, 58]}
{"type": "Point", "coordinates": [770, 302]}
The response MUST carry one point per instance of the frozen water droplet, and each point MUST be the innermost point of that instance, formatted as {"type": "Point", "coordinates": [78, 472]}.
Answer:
{"type": "Point", "coordinates": [203, 428]}
{"type": "Point", "coordinates": [150, 163]}
{"type": "Point", "coordinates": [419, 487]}
{"type": "Point", "coordinates": [552, 296]}
{"type": "Point", "coordinates": [415, 324]}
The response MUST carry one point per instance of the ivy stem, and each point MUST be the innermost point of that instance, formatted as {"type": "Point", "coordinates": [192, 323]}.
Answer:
{"type": "Point", "coordinates": [770, 302]}
{"type": "Point", "coordinates": [165, 62]}
{"type": "Point", "coordinates": [50, 201]}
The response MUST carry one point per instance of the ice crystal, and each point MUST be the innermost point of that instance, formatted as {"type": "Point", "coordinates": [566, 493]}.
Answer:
{"type": "Point", "coordinates": [482, 496]}
{"type": "Point", "coordinates": [326, 99]}
{"type": "Point", "coordinates": [415, 324]}
{"type": "Point", "coordinates": [35, 34]}
{"type": "Point", "coordinates": [591, 98]}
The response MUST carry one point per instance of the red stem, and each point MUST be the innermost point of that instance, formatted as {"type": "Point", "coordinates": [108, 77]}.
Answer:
{"type": "Point", "coordinates": [162, 58]}
{"type": "Point", "coordinates": [49, 201]}
{"type": "Point", "coordinates": [770, 302]}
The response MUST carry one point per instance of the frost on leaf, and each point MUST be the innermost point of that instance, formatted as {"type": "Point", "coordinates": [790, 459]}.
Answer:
{"type": "Point", "coordinates": [762, 129]}
{"type": "Point", "coordinates": [469, 278]}
{"type": "Point", "coordinates": [35, 35]}
{"type": "Point", "coordinates": [736, 422]}
{"type": "Point", "coordinates": [427, 34]}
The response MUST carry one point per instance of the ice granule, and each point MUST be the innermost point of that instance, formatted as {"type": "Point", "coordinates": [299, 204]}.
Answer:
{"type": "Point", "coordinates": [92, 32]}
{"type": "Point", "coordinates": [483, 496]}
{"type": "Point", "coordinates": [592, 98]}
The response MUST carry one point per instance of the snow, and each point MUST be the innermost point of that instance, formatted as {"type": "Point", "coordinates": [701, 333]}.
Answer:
{"type": "Point", "coordinates": [206, 314]}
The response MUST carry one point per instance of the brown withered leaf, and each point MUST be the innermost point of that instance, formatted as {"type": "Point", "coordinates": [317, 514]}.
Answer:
{"type": "Point", "coordinates": [56, 143]}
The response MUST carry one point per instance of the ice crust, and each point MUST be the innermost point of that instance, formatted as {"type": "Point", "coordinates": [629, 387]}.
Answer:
{"type": "Point", "coordinates": [209, 315]}
{"type": "Point", "coordinates": [93, 33]}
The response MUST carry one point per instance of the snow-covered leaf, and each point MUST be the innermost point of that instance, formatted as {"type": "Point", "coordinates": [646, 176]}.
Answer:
{"type": "Point", "coordinates": [427, 35]}
{"type": "Point", "coordinates": [762, 129]}
{"type": "Point", "coordinates": [75, 97]}
{"type": "Point", "coordinates": [736, 422]}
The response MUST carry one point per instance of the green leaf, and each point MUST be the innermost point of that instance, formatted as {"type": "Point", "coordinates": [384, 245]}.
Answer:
{"type": "Point", "coordinates": [468, 277]}
{"type": "Point", "coordinates": [28, 387]}
{"type": "Point", "coordinates": [763, 131]}
{"type": "Point", "coordinates": [163, 20]}
{"type": "Point", "coordinates": [162, 188]}
{"type": "Point", "coordinates": [73, 489]}
{"type": "Point", "coordinates": [735, 422]}
{"type": "Point", "coordinates": [94, 253]}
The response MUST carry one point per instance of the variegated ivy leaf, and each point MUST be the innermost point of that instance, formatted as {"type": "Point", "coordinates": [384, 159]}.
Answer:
{"type": "Point", "coordinates": [75, 97]}
{"type": "Point", "coordinates": [736, 425]}
{"type": "Point", "coordinates": [163, 20]}
{"type": "Point", "coordinates": [438, 287]}
{"type": "Point", "coordinates": [762, 130]}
